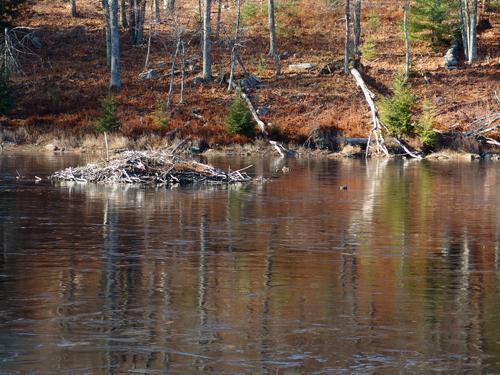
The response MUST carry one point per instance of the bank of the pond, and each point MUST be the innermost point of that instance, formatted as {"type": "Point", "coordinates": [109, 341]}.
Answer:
{"type": "Point", "coordinates": [94, 145]}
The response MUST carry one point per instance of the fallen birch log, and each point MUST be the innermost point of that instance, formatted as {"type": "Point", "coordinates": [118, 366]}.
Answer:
{"type": "Point", "coordinates": [376, 131]}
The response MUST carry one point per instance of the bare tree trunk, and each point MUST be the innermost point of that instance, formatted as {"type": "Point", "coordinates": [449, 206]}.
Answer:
{"type": "Point", "coordinates": [200, 10]}
{"type": "Point", "coordinates": [131, 17]}
{"type": "Point", "coordinates": [107, 29]}
{"type": "Point", "coordinates": [207, 43]}
{"type": "Point", "coordinates": [347, 47]}
{"type": "Point", "coordinates": [115, 82]}
{"type": "Point", "coordinates": [172, 74]}
{"type": "Point", "coordinates": [473, 33]}
{"type": "Point", "coordinates": [183, 69]}
{"type": "Point", "coordinates": [74, 13]}
{"type": "Point", "coordinates": [123, 13]}
{"type": "Point", "coordinates": [151, 29]}
{"type": "Point", "coordinates": [357, 32]}
{"type": "Point", "coordinates": [219, 13]}
{"type": "Point", "coordinates": [273, 48]}
{"type": "Point", "coordinates": [171, 6]}
{"type": "Point", "coordinates": [463, 28]}
{"type": "Point", "coordinates": [273, 40]}
{"type": "Point", "coordinates": [467, 10]}
{"type": "Point", "coordinates": [407, 39]}
{"type": "Point", "coordinates": [235, 43]}
{"type": "Point", "coordinates": [157, 10]}
{"type": "Point", "coordinates": [140, 23]}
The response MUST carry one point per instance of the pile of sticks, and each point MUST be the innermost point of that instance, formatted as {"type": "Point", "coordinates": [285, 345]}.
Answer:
{"type": "Point", "coordinates": [151, 168]}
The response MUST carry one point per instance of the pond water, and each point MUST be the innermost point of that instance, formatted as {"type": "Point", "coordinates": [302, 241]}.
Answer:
{"type": "Point", "coordinates": [397, 274]}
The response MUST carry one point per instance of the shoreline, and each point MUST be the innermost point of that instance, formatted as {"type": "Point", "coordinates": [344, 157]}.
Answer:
{"type": "Point", "coordinates": [94, 145]}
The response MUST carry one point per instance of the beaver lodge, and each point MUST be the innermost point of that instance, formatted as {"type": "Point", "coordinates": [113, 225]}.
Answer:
{"type": "Point", "coordinates": [151, 168]}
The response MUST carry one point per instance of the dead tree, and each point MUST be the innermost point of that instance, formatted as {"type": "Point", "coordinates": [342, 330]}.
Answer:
{"type": "Point", "coordinates": [172, 73]}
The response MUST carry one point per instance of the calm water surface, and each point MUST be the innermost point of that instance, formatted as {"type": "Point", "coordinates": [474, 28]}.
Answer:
{"type": "Point", "coordinates": [398, 274]}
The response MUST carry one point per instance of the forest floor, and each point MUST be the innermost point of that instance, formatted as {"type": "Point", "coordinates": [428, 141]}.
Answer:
{"type": "Point", "coordinates": [61, 89]}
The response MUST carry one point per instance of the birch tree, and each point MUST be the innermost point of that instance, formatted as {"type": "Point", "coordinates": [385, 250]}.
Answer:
{"type": "Point", "coordinates": [207, 42]}
{"type": "Point", "coordinates": [347, 47]}
{"type": "Point", "coordinates": [467, 11]}
{"type": "Point", "coordinates": [115, 81]}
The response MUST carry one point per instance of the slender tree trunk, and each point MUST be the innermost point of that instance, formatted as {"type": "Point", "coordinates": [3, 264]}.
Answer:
{"type": "Point", "coordinates": [273, 39]}
{"type": "Point", "coordinates": [140, 23]}
{"type": "Point", "coordinates": [171, 6]}
{"type": "Point", "coordinates": [207, 43]}
{"type": "Point", "coordinates": [467, 10]}
{"type": "Point", "coordinates": [172, 75]}
{"type": "Point", "coordinates": [151, 29]}
{"type": "Point", "coordinates": [157, 10]}
{"type": "Point", "coordinates": [347, 47]}
{"type": "Point", "coordinates": [106, 145]}
{"type": "Point", "coordinates": [200, 10]}
{"type": "Point", "coordinates": [107, 29]}
{"type": "Point", "coordinates": [407, 39]}
{"type": "Point", "coordinates": [115, 81]}
{"type": "Point", "coordinates": [357, 32]}
{"type": "Point", "coordinates": [473, 33]}
{"type": "Point", "coordinates": [235, 43]}
{"type": "Point", "coordinates": [219, 13]}
{"type": "Point", "coordinates": [123, 13]}
{"type": "Point", "coordinates": [183, 69]}
{"type": "Point", "coordinates": [131, 20]}
{"type": "Point", "coordinates": [74, 13]}
{"type": "Point", "coordinates": [273, 48]}
{"type": "Point", "coordinates": [463, 29]}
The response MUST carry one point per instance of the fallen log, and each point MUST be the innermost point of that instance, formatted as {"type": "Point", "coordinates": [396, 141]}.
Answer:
{"type": "Point", "coordinates": [376, 130]}
{"type": "Point", "coordinates": [378, 127]}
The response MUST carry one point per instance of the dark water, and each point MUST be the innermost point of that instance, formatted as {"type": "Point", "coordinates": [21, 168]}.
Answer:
{"type": "Point", "coordinates": [398, 274]}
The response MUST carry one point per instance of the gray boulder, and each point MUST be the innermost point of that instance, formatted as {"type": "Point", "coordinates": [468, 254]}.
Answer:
{"type": "Point", "coordinates": [149, 74]}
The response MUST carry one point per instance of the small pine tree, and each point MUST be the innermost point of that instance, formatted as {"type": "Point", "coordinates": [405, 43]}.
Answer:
{"type": "Point", "coordinates": [108, 121]}
{"type": "Point", "coordinates": [160, 117]}
{"type": "Point", "coordinates": [239, 119]}
{"type": "Point", "coordinates": [6, 94]}
{"type": "Point", "coordinates": [396, 111]}
{"type": "Point", "coordinates": [425, 126]}
{"type": "Point", "coordinates": [432, 20]}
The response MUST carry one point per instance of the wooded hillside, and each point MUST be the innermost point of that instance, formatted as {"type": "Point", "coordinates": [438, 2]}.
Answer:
{"type": "Point", "coordinates": [63, 73]}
